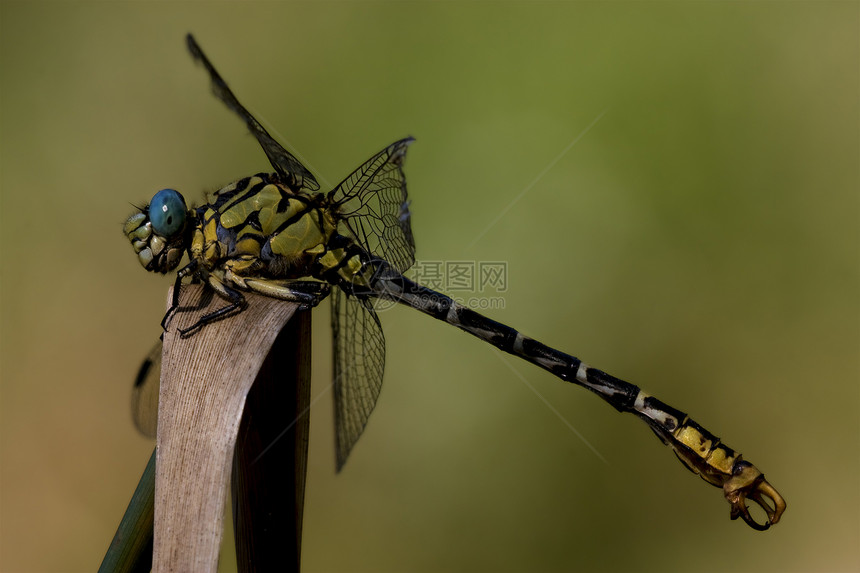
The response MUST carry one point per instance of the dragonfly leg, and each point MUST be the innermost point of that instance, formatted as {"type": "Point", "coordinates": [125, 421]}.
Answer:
{"type": "Point", "coordinates": [237, 304]}
{"type": "Point", "coordinates": [306, 293]}
{"type": "Point", "coordinates": [188, 269]}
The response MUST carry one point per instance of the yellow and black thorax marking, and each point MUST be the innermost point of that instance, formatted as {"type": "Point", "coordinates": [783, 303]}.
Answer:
{"type": "Point", "coordinates": [258, 227]}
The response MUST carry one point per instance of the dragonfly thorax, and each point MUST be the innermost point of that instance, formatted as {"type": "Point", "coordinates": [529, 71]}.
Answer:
{"type": "Point", "coordinates": [257, 226]}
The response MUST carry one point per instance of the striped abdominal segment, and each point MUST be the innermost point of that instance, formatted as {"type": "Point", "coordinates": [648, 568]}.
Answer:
{"type": "Point", "coordinates": [698, 449]}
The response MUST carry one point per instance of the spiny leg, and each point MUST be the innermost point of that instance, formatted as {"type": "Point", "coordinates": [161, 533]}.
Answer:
{"type": "Point", "coordinates": [188, 269]}
{"type": "Point", "coordinates": [244, 272]}
{"type": "Point", "coordinates": [237, 304]}
{"type": "Point", "coordinates": [307, 294]}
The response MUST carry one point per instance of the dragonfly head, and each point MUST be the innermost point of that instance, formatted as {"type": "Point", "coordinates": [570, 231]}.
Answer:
{"type": "Point", "coordinates": [157, 232]}
{"type": "Point", "coordinates": [747, 482]}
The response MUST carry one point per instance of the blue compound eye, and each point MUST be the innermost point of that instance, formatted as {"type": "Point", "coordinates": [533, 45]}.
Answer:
{"type": "Point", "coordinates": [167, 212]}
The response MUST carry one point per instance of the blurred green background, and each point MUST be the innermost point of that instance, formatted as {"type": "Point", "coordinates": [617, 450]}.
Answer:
{"type": "Point", "coordinates": [700, 240]}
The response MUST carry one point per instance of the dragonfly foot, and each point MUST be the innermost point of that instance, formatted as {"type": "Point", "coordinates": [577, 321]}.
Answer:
{"type": "Point", "coordinates": [168, 316]}
{"type": "Point", "coordinates": [223, 312]}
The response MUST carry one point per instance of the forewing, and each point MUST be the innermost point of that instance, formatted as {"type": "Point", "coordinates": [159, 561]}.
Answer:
{"type": "Point", "coordinates": [359, 362]}
{"type": "Point", "coordinates": [373, 208]}
{"type": "Point", "coordinates": [144, 395]}
{"type": "Point", "coordinates": [294, 174]}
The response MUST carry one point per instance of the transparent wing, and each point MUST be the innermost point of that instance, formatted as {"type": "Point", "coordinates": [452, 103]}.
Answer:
{"type": "Point", "coordinates": [359, 361]}
{"type": "Point", "coordinates": [144, 395]}
{"type": "Point", "coordinates": [373, 208]}
{"type": "Point", "coordinates": [294, 174]}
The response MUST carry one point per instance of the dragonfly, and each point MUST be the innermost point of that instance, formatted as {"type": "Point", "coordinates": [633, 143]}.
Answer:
{"type": "Point", "coordinates": [276, 234]}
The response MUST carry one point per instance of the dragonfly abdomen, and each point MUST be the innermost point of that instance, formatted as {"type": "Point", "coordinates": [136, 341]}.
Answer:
{"type": "Point", "coordinates": [698, 449]}
{"type": "Point", "coordinates": [442, 307]}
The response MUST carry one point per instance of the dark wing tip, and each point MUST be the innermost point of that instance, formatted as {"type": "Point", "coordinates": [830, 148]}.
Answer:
{"type": "Point", "coordinates": [405, 142]}
{"type": "Point", "coordinates": [192, 46]}
{"type": "Point", "coordinates": [143, 372]}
